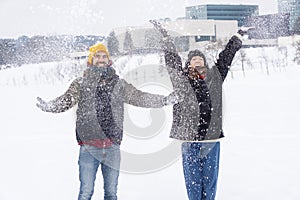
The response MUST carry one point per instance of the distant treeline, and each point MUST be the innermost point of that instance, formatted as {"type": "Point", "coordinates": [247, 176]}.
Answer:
{"type": "Point", "coordinates": [38, 49]}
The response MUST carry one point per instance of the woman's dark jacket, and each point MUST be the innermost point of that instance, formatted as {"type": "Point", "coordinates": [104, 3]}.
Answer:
{"type": "Point", "coordinates": [199, 116]}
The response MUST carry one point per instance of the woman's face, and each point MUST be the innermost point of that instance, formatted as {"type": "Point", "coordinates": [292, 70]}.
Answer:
{"type": "Point", "coordinates": [197, 62]}
{"type": "Point", "coordinates": [197, 65]}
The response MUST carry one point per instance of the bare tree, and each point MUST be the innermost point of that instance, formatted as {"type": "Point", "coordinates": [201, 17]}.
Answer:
{"type": "Point", "coordinates": [266, 60]}
{"type": "Point", "coordinates": [113, 44]}
{"type": "Point", "coordinates": [297, 55]}
{"type": "Point", "coordinates": [128, 42]}
{"type": "Point", "coordinates": [283, 51]}
{"type": "Point", "coordinates": [243, 59]}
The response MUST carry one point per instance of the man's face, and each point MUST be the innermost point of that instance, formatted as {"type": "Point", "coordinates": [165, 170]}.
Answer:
{"type": "Point", "coordinates": [100, 59]}
{"type": "Point", "coordinates": [197, 63]}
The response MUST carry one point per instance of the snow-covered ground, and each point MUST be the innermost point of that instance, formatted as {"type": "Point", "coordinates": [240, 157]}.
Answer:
{"type": "Point", "coordinates": [259, 155]}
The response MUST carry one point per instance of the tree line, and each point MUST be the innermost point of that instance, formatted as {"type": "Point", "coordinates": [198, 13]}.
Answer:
{"type": "Point", "coordinates": [37, 49]}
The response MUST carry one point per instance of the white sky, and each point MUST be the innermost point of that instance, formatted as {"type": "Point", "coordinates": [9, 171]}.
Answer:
{"type": "Point", "coordinates": [94, 17]}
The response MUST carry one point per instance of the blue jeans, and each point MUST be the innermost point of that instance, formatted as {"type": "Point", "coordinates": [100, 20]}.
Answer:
{"type": "Point", "coordinates": [90, 158]}
{"type": "Point", "coordinates": [201, 166]}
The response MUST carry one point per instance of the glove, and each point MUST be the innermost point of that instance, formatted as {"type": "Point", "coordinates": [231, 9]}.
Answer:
{"type": "Point", "coordinates": [166, 40]}
{"type": "Point", "coordinates": [173, 98]}
{"type": "Point", "coordinates": [243, 32]}
{"type": "Point", "coordinates": [41, 104]}
{"type": "Point", "coordinates": [157, 25]}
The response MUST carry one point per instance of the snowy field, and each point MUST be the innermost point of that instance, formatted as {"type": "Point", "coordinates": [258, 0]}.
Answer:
{"type": "Point", "coordinates": [259, 155]}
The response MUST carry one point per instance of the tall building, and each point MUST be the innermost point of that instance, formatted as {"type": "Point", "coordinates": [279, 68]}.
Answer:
{"type": "Point", "coordinates": [291, 7]}
{"type": "Point", "coordinates": [222, 12]}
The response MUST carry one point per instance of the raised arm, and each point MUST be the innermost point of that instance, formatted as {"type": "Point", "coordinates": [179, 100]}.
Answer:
{"type": "Point", "coordinates": [226, 56]}
{"type": "Point", "coordinates": [63, 102]}
{"type": "Point", "coordinates": [172, 57]}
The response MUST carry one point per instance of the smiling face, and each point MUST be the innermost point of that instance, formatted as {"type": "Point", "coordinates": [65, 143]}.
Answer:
{"type": "Point", "coordinates": [100, 59]}
{"type": "Point", "coordinates": [198, 63]}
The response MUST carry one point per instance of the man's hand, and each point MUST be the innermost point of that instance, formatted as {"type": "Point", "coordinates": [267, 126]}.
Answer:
{"type": "Point", "coordinates": [157, 25]}
{"type": "Point", "coordinates": [41, 104]}
{"type": "Point", "coordinates": [172, 99]}
{"type": "Point", "coordinates": [167, 43]}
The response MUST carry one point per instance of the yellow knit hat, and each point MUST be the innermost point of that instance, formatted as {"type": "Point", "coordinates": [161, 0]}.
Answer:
{"type": "Point", "coordinates": [95, 48]}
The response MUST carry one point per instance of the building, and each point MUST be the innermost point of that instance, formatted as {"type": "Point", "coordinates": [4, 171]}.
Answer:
{"type": "Point", "coordinates": [292, 7]}
{"type": "Point", "coordinates": [222, 12]}
{"type": "Point", "coordinates": [188, 34]}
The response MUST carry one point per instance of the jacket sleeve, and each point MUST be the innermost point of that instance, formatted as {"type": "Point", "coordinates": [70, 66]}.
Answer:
{"type": "Point", "coordinates": [138, 98]}
{"type": "Point", "coordinates": [172, 58]}
{"type": "Point", "coordinates": [226, 56]}
{"type": "Point", "coordinates": [65, 101]}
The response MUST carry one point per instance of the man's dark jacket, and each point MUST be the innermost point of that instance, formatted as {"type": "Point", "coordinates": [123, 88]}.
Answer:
{"type": "Point", "coordinates": [100, 111]}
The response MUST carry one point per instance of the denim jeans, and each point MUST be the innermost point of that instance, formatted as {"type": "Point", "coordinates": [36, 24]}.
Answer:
{"type": "Point", "coordinates": [90, 158]}
{"type": "Point", "coordinates": [201, 166]}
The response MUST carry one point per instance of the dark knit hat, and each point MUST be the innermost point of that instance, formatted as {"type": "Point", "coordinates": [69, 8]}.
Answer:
{"type": "Point", "coordinates": [195, 53]}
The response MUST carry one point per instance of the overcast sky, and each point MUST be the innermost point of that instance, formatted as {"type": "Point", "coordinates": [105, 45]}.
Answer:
{"type": "Point", "coordinates": [95, 17]}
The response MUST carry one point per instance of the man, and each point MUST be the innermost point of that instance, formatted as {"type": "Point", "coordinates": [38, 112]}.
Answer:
{"type": "Point", "coordinates": [100, 95]}
{"type": "Point", "coordinates": [197, 120]}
